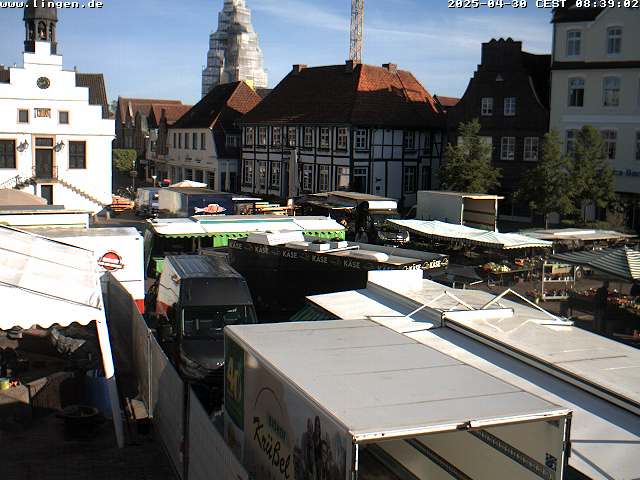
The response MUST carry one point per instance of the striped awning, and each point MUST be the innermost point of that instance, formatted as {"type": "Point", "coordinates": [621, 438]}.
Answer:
{"type": "Point", "coordinates": [622, 263]}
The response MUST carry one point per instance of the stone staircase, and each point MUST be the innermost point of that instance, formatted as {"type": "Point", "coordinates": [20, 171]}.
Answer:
{"type": "Point", "coordinates": [18, 183]}
{"type": "Point", "coordinates": [81, 193]}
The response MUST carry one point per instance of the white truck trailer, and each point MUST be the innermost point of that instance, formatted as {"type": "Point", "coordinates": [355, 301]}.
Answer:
{"type": "Point", "coordinates": [470, 209]}
{"type": "Point", "coordinates": [118, 250]}
{"type": "Point", "coordinates": [350, 399]}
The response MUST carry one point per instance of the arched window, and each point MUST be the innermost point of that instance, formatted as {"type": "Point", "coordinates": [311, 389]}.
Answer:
{"type": "Point", "coordinates": [52, 32]}
{"type": "Point", "coordinates": [31, 31]}
{"type": "Point", "coordinates": [42, 31]}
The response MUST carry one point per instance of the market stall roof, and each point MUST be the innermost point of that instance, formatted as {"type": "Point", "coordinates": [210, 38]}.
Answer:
{"type": "Point", "coordinates": [12, 197]}
{"type": "Point", "coordinates": [576, 234]}
{"type": "Point", "coordinates": [208, 226]}
{"type": "Point", "coordinates": [623, 263]}
{"type": "Point", "coordinates": [188, 184]}
{"type": "Point", "coordinates": [524, 349]}
{"type": "Point", "coordinates": [474, 236]}
{"type": "Point", "coordinates": [31, 290]}
{"type": "Point", "coordinates": [361, 373]}
{"type": "Point", "coordinates": [47, 283]}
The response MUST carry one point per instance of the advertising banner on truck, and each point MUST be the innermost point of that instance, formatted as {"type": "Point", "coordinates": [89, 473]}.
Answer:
{"type": "Point", "coordinates": [285, 437]}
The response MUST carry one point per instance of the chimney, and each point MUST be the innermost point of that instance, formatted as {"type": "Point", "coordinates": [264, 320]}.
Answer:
{"type": "Point", "coordinates": [391, 67]}
{"type": "Point", "coordinates": [350, 66]}
{"type": "Point", "coordinates": [298, 68]}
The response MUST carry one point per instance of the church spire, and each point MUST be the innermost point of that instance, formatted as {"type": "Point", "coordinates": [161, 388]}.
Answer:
{"type": "Point", "coordinates": [40, 25]}
{"type": "Point", "coordinates": [234, 53]}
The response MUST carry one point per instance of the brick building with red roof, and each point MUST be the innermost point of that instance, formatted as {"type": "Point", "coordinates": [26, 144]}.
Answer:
{"type": "Point", "coordinates": [353, 127]}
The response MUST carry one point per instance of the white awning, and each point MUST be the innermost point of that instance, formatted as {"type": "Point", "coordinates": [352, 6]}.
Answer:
{"type": "Point", "coordinates": [47, 283]}
{"type": "Point", "coordinates": [44, 282]}
{"type": "Point", "coordinates": [475, 236]}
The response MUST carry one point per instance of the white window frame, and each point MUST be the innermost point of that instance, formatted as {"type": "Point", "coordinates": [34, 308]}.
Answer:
{"type": "Point", "coordinates": [410, 179]}
{"type": "Point", "coordinates": [292, 136]}
{"type": "Point", "coordinates": [486, 106]}
{"type": "Point", "coordinates": [361, 139]}
{"type": "Point", "coordinates": [509, 106]}
{"type": "Point", "coordinates": [231, 141]}
{"type": "Point", "coordinates": [342, 173]}
{"type": "Point", "coordinates": [575, 88]}
{"type": "Point", "coordinates": [247, 172]}
{"type": "Point", "coordinates": [410, 140]}
{"type": "Point", "coordinates": [325, 138]}
{"type": "Point", "coordinates": [263, 167]}
{"type": "Point", "coordinates": [307, 177]}
{"type": "Point", "coordinates": [611, 95]}
{"type": "Point", "coordinates": [262, 136]}
{"type": "Point", "coordinates": [308, 137]}
{"type": "Point", "coordinates": [276, 170]}
{"type": "Point", "coordinates": [342, 138]}
{"type": "Point", "coordinates": [614, 40]}
{"type": "Point", "coordinates": [324, 178]}
{"type": "Point", "coordinates": [531, 149]}
{"type": "Point", "coordinates": [249, 136]}
{"type": "Point", "coordinates": [610, 138]}
{"type": "Point", "coordinates": [574, 43]}
{"type": "Point", "coordinates": [508, 149]}
{"type": "Point", "coordinates": [276, 136]}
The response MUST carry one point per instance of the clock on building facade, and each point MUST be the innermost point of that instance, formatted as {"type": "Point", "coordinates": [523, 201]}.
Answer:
{"type": "Point", "coordinates": [44, 83]}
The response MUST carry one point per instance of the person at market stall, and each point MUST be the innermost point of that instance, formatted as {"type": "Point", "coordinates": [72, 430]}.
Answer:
{"type": "Point", "coordinates": [601, 299]}
{"type": "Point", "coordinates": [635, 289]}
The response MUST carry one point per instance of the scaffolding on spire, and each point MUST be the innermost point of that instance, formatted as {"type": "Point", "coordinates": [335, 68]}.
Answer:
{"type": "Point", "coordinates": [357, 30]}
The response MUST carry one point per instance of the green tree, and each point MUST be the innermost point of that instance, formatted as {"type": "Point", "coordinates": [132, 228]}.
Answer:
{"type": "Point", "coordinates": [592, 173]}
{"type": "Point", "coordinates": [124, 160]}
{"type": "Point", "coordinates": [467, 166]}
{"type": "Point", "coordinates": [548, 187]}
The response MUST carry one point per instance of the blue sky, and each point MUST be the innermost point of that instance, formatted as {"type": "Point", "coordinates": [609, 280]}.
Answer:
{"type": "Point", "coordinates": [156, 48]}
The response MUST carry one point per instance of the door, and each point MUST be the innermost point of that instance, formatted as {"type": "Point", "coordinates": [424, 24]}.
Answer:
{"type": "Point", "coordinates": [46, 192]}
{"type": "Point", "coordinates": [360, 175]}
{"type": "Point", "coordinates": [44, 163]}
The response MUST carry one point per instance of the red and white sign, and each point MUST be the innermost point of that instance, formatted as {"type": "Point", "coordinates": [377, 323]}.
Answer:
{"type": "Point", "coordinates": [211, 209]}
{"type": "Point", "coordinates": [111, 262]}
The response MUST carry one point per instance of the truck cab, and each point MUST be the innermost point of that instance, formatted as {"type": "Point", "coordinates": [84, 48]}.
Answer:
{"type": "Point", "coordinates": [197, 297]}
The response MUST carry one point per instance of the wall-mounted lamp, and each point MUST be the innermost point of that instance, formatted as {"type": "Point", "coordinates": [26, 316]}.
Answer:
{"type": "Point", "coordinates": [23, 146]}
{"type": "Point", "coordinates": [59, 146]}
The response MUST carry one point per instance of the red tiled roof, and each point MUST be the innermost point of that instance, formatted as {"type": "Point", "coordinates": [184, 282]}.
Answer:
{"type": "Point", "coordinates": [447, 101]}
{"type": "Point", "coordinates": [220, 110]}
{"type": "Point", "coordinates": [222, 104]}
{"type": "Point", "coordinates": [142, 105]}
{"type": "Point", "coordinates": [171, 112]}
{"type": "Point", "coordinates": [366, 95]}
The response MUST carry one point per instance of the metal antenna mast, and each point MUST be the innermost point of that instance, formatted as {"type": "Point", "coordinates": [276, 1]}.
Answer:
{"type": "Point", "coordinates": [357, 30]}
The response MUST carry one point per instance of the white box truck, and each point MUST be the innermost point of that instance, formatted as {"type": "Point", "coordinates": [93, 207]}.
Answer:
{"type": "Point", "coordinates": [349, 399]}
{"type": "Point", "coordinates": [118, 250]}
{"type": "Point", "coordinates": [470, 209]}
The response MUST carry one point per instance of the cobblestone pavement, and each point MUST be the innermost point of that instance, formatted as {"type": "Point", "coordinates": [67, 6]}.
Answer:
{"type": "Point", "coordinates": [41, 452]}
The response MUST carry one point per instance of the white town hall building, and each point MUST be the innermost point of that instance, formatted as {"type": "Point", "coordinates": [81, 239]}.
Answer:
{"type": "Point", "coordinates": [55, 131]}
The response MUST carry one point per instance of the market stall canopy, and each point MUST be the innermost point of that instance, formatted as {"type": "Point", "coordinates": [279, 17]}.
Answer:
{"type": "Point", "coordinates": [188, 184]}
{"type": "Point", "coordinates": [621, 263]}
{"type": "Point", "coordinates": [577, 234]}
{"type": "Point", "coordinates": [18, 198]}
{"type": "Point", "coordinates": [474, 236]}
{"type": "Point", "coordinates": [44, 282]}
{"type": "Point", "coordinates": [212, 225]}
